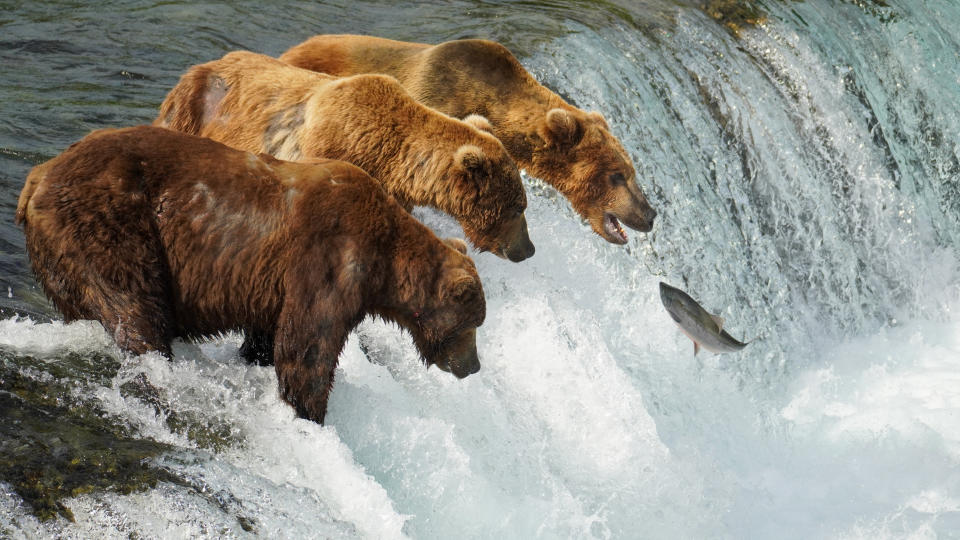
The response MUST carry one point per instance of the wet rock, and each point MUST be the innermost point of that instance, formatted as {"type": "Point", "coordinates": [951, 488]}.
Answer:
{"type": "Point", "coordinates": [735, 14]}
{"type": "Point", "coordinates": [54, 445]}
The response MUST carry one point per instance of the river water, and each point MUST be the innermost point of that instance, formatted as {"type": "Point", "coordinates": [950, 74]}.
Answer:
{"type": "Point", "coordinates": [807, 176]}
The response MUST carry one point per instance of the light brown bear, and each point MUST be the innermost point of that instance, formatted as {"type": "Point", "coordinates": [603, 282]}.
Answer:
{"type": "Point", "coordinates": [570, 149]}
{"type": "Point", "coordinates": [422, 157]}
{"type": "Point", "coordinates": [159, 235]}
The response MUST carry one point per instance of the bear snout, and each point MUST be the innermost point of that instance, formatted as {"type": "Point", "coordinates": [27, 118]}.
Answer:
{"type": "Point", "coordinates": [460, 356]}
{"type": "Point", "coordinates": [465, 366]}
{"type": "Point", "coordinates": [520, 251]}
{"type": "Point", "coordinates": [640, 219]}
{"type": "Point", "coordinates": [515, 245]}
{"type": "Point", "coordinates": [633, 210]}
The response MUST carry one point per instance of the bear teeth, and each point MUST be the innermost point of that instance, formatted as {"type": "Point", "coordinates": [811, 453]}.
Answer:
{"type": "Point", "coordinates": [613, 227]}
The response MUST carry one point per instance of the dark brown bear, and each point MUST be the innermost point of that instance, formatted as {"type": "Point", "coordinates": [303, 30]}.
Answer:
{"type": "Point", "coordinates": [571, 149]}
{"type": "Point", "coordinates": [161, 235]}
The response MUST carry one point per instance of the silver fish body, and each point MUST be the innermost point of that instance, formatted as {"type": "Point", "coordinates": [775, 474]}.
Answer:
{"type": "Point", "coordinates": [704, 329]}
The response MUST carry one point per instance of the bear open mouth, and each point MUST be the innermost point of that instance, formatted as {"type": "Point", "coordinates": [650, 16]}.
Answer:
{"type": "Point", "coordinates": [612, 227]}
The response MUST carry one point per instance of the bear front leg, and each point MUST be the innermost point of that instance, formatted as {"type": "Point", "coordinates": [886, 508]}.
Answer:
{"type": "Point", "coordinates": [257, 347]}
{"type": "Point", "coordinates": [305, 364]}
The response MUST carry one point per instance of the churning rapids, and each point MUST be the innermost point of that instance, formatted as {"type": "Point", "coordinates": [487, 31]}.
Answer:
{"type": "Point", "coordinates": [807, 175]}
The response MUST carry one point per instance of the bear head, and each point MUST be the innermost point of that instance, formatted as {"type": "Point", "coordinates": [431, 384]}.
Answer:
{"type": "Point", "coordinates": [492, 210]}
{"type": "Point", "coordinates": [594, 172]}
{"type": "Point", "coordinates": [443, 319]}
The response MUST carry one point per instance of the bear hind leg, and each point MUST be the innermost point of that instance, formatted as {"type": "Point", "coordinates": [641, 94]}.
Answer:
{"type": "Point", "coordinates": [132, 300]}
{"type": "Point", "coordinates": [122, 282]}
{"type": "Point", "coordinates": [141, 326]}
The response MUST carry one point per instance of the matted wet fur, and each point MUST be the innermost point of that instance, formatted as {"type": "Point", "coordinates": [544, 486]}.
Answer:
{"type": "Point", "coordinates": [422, 157]}
{"type": "Point", "coordinates": [159, 234]}
{"type": "Point", "coordinates": [570, 149]}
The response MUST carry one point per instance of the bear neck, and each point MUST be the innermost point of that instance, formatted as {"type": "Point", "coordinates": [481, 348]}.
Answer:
{"type": "Point", "coordinates": [502, 91]}
{"type": "Point", "coordinates": [428, 180]}
{"type": "Point", "coordinates": [520, 133]}
{"type": "Point", "coordinates": [416, 251]}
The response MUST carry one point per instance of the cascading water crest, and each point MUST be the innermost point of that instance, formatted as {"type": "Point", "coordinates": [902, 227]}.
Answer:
{"type": "Point", "coordinates": [764, 159]}
{"type": "Point", "coordinates": [805, 174]}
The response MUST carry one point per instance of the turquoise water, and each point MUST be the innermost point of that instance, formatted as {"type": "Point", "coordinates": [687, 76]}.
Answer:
{"type": "Point", "coordinates": [806, 176]}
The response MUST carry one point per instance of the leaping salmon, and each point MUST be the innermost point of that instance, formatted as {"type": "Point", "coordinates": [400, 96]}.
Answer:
{"type": "Point", "coordinates": [704, 329]}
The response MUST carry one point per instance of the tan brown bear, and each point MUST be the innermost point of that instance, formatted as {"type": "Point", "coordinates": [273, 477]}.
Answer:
{"type": "Point", "coordinates": [159, 234]}
{"type": "Point", "coordinates": [570, 149]}
{"type": "Point", "coordinates": [422, 157]}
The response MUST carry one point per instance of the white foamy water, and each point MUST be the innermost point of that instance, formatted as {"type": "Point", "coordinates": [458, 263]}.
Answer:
{"type": "Point", "coordinates": [556, 437]}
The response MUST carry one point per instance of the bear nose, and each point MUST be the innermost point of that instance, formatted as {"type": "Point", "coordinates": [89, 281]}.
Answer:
{"type": "Point", "coordinates": [473, 368]}
{"type": "Point", "coordinates": [464, 371]}
{"type": "Point", "coordinates": [639, 219]}
{"type": "Point", "coordinates": [465, 364]}
{"type": "Point", "coordinates": [520, 251]}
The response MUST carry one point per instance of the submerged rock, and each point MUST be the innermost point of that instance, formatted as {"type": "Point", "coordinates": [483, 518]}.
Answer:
{"type": "Point", "coordinates": [734, 14]}
{"type": "Point", "coordinates": [207, 433]}
{"type": "Point", "coordinates": [57, 442]}
{"type": "Point", "coordinates": [54, 445]}
{"type": "Point", "coordinates": [738, 14]}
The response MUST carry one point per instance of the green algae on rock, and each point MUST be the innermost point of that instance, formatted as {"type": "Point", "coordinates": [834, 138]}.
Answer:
{"type": "Point", "coordinates": [207, 433]}
{"type": "Point", "coordinates": [735, 14]}
{"type": "Point", "coordinates": [54, 445]}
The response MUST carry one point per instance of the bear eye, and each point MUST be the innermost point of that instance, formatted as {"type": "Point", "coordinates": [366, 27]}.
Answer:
{"type": "Point", "coordinates": [617, 179]}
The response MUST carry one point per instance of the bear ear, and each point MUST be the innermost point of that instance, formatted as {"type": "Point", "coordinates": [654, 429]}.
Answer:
{"type": "Point", "coordinates": [471, 158]}
{"type": "Point", "coordinates": [456, 244]}
{"type": "Point", "coordinates": [479, 122]}
{"type": "Point", "coordinates": [457, 282]}
{"type": "Point", "coordinates": [598, 119]}
{"type": "Point", "coordinates": [563, 128]}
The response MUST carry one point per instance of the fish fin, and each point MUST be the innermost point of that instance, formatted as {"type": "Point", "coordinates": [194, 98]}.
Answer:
{"type": "Point", "coordinates": [696, 348]}
{"type": "Point", "coordinates": [719, 320]}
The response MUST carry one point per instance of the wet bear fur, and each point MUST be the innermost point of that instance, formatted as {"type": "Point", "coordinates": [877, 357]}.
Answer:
{"type": "Point", "coordinates": [571, 149]}
{"type": "Point", "coordinates": [161, 235]}
{"type": "Point", "coordinates": [422, 157]}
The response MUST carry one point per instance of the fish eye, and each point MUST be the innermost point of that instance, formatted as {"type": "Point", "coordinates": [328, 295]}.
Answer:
{"type": "Point", "coordinates": [617, 179]}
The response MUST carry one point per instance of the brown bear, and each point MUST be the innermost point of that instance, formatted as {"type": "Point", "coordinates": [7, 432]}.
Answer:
{"type": "Point", "coordinates": [570, 149]}
{"type": "Point", "coordinates": [422, 157]}
{"type": "Point", "coordinates": [161, 235]}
